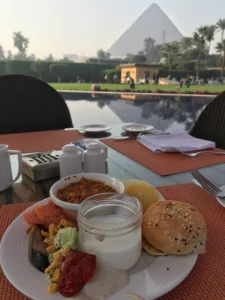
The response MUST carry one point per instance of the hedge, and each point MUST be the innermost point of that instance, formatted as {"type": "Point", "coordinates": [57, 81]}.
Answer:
{"type": "Point", "coordinates": [90, 72]}
{"type": "Point", "coordinates": [178, 74]}
{"type": "Point", "coordinates": [86, 71]}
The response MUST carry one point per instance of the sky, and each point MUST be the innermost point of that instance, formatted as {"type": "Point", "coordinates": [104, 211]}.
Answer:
{"type": "Point", "coordinates": [83, 26]}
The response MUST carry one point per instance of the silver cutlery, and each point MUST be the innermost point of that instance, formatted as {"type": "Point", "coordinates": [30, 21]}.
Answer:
{"type": "Point", "coordinates": [198, 153]}
{"type": "Point", "coordinates": [207, 185]}
{"type": "Point", "coordinates": [131, 137]}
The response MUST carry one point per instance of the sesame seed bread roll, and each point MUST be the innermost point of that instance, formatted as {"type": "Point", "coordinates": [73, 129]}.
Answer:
{"type": "Point", "coordinates": [174, 227]}
{"type": "Point", "coordinates": [150, 249]}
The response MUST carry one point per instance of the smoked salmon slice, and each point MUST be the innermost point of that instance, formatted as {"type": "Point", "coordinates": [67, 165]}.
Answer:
{"type": "Point", "coordinates": [46, 214]}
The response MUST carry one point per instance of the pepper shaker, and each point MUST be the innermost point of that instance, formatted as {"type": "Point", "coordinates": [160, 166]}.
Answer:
{"type": "Point", "coordinates": [70, 161]}
{"type": "Point", "coordinates": [94, 159]}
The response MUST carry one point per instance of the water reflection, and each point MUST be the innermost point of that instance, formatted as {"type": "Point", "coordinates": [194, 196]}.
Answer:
{"type": "Point", "coordinates": [165, 113]}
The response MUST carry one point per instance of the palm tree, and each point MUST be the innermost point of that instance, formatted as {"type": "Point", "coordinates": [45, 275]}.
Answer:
{"type": "Point", "coordinates": [209, 37]}
{"type": "Point", "coordinates": [186, 44]}
{"type": "Point", "coordinates": [199, 41]}
{"type": "Point", "coordinates": [221, 26]}
{"type": "Point", "coordinates": [170, 52]}
{"type": "Point", "coordinates": [220, 47]}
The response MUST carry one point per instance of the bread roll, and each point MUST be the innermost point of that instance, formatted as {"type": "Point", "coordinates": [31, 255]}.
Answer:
{"type": "Point", "coordinates": [151, 249]}
{"type": "Point", "coordinates": [174, 227]}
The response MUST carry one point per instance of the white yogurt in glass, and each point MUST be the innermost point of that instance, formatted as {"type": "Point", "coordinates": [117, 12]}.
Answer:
{"type": "Point", "coordinates": [111, 229]}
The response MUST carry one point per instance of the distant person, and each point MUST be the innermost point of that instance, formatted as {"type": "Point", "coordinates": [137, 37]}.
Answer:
{"type": "Point", "coordinates": [146, 78]}
{"type": "Point", "coordinates": [188, 81]}
{"type": "Point", "coordinates": [132, 85]}
{"type": "Point", "coordinates": [154, 77]}
{"type": "Point", "coordinates": [157, 78]}
{"type": "Point", "coordinates": [181, 82]}
{"type": "Point", "coordinates": [115, 77]}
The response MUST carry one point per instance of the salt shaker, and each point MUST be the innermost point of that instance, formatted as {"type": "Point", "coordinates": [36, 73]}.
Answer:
{"type": "Point", "coordinates": [94, 159]}
{"type": "Point", "coordinates": [70, 161]}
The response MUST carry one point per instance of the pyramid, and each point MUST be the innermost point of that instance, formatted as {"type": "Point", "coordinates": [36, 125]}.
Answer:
{"type": "Point", "coordinates": [152, 23]}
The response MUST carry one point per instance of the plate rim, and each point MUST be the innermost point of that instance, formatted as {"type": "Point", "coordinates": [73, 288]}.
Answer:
{"type": "Point", "coordinates": [221, 202]}
{"type": "Point", "coordinates": [124, 127]}
{"type": "Point", "coordinates": [104, 128]}
{"type": "Point", "coordinates": [4, 268]}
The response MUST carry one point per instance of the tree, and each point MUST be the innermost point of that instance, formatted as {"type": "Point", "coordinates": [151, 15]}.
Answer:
{"type": "Point", "coordinates": [171, 52]}
{"type": "Point", "coordinates": [129, 57]}
{"type": "Point", "coordinates": [156, 53]}
{"type": "Point", "coordinates": [199, 40]}
{"type": "Point", "coordinates": [107, 55]}
{"type": "Point", "coordinates": [139, 58]}
{"type": "Point", "coordinates": [101, 54]}
{"type": "Point", "coordinates": [186, 44]}
{"type": "Point", "coordinates": [220, 48]}
{"type": "Point", "coordinates": [58, 70]}
{"type": "Point", "coordinates": [20, 42]}
{"type": "Point", "coordinates": [221, 26]}
{"type": "Point", "coordinates": [209, 37]}
{"type": "Point", "coordinates": [65, 59]}
{"type": "Point", "coordinates": [9, 55]}
{"type": "Point", "coordinates": [210, 32]}
{"type": "Point", "coordinates": [31, 57]}
{"type": "Point", "coordinates": [20, 56]}
{"type": "Point", "coordinates": [2, 53]}
{"type": "Point", "coordinates": [39, 67]}
{"type": "Point", "coordinates": [148, 46]}
{"type": "Point", "coordinates": [50, 58]}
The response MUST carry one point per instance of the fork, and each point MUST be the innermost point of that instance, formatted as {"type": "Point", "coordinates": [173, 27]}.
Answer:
{"type": "Point", "coordinates": [207, 185]}
{"type": "Point", "coordinates": [198, 153]}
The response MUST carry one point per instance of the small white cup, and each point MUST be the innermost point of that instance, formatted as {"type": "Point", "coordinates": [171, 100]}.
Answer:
{"type": "Point", "coordinates": [6, 179]}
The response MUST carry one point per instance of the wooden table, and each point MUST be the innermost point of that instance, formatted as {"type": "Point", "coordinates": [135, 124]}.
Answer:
{"type": "Point", "coordinates": [120, 166]}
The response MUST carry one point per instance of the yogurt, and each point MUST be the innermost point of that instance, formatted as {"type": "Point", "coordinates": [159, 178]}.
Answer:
{"type": "Point", "coordinates": [120, 250]}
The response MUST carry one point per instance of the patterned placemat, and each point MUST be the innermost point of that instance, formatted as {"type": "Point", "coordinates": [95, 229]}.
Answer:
{"type": "Point", "coordinates": [40, 141]}
{"type": "Point", "coordinates": [205, 282]}
{"type": "Point", "coordinates": [163, 163]}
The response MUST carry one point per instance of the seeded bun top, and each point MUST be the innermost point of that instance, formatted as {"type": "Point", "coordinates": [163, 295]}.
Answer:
{"type": "Point", "coordinates": [174, 227]}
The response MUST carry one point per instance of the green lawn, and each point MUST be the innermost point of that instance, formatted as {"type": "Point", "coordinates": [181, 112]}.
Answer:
{"type": "Point", "coordinates": [117, 87]}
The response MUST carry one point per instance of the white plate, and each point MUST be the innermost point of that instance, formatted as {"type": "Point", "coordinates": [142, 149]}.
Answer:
{"type": "Point", "coordinates": [221, 201]}
{"type": "Point", "coordinates": [93, 128]}
{"type": "Point", "coordinates": [137, 128]}
{"type": "Point", "coordinates": [149, 279]}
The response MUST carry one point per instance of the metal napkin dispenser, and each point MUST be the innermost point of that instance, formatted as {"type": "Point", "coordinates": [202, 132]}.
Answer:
{"type": "Point", "coordinates": [41, 166]}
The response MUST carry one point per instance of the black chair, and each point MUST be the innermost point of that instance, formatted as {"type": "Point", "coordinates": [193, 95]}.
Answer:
{"type": "Point", "coordinates": [211, 123]}
{"type": "Point", "coordinates": [28, 104]}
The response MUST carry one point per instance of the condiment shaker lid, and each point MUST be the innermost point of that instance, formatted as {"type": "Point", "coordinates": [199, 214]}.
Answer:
{"type": "Point", "coordinates": [70, 148]}
{"type": "Point", "coordinates": [93, 146]}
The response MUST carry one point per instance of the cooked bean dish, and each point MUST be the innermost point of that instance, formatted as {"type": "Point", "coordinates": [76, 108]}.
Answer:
{"type": "Point", "coordinates": [76, 192]}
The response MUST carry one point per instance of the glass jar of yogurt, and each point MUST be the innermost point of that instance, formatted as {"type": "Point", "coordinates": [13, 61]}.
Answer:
{"type": "Point", "coordinates": [110, 228]}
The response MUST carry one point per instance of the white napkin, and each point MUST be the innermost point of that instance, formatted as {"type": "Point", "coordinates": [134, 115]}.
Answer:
{"type": "Point", "coordinates": [172, 142]}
